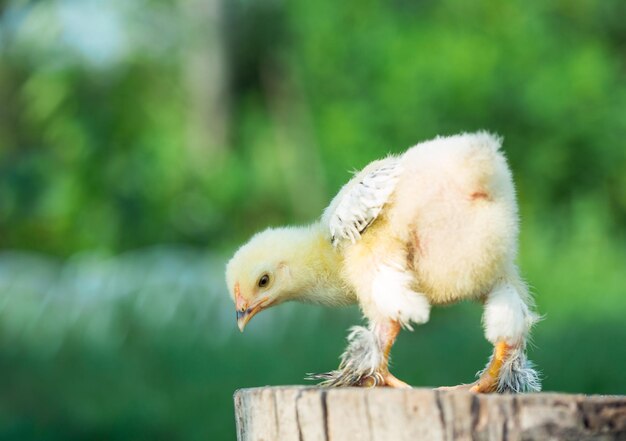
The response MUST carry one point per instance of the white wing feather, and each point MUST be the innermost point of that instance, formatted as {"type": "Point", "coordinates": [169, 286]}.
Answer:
{"type": "Point", "coordinates": [360, 202]}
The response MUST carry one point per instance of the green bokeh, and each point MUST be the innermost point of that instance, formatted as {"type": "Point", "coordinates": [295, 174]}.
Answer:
{"type": "Point", "coordinates": [126, 125]}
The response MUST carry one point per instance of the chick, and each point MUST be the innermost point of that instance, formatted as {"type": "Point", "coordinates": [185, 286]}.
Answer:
{"type": "Point", "coordinates": [433, 226]}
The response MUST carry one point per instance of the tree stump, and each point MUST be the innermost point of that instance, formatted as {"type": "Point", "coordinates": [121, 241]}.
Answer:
{"type": "Point", "coordinates": [311, 413]}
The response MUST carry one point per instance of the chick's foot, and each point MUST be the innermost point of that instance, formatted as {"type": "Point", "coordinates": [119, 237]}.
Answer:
{"type": "Point", "coordinates": [341, 378]}
{"type": "Point", "coordinates": [366, 359]}
{"type": "Point", "coordinates": [360, 363]}
{"type": "Point", "coordinates": [508, 371]}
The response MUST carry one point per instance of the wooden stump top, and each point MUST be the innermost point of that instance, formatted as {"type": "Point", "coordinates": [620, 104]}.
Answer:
{"type": "Point", "coordinates": [310, 413]}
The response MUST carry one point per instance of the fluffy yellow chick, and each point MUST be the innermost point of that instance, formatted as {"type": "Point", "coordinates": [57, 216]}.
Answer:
{"type": "Point", "coordinates": [435, 225]}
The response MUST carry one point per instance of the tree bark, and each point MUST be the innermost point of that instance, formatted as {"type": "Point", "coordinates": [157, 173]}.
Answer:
{"type": "Point", "coordinates": [310, 413]}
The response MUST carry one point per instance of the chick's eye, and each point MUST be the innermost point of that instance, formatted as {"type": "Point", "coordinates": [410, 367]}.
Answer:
{"type": "Point", "coordinates": [264, 281]}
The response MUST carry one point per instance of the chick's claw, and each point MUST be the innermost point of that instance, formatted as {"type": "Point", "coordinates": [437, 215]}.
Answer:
{"type": "Point", "coordinates": [342, 378]}
{"type": "Point", "coordinates": [346, 378]}
{"type": "Point", "coordinates": [392, 381]}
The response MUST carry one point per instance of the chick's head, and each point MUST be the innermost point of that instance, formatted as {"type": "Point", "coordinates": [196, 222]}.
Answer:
{"type": "Point", "coordinates": [260, 275]}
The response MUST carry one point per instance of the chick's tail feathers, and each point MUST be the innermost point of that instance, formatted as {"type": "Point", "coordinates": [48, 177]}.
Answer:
{"type": "Point", "coordinates": [481, 168]}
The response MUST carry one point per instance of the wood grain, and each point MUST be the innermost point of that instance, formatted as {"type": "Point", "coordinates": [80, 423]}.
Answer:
{"type": "Point", "coordinates": [314, 414]}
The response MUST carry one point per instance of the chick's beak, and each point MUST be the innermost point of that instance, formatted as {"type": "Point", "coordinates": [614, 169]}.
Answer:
{"type": "Point", "coordinates": [243, 317]}
{"type": "Point", "coordinates": [244, 311]}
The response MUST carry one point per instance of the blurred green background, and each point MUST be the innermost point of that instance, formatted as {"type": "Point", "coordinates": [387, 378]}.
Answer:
{"type": "Point", "coordinates": [142, 141]}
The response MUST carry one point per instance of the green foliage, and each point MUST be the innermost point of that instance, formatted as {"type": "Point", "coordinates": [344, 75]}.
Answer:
{"type": "Point", "coordinates": [100, 158]}
{"type": "Point", "coordinates": [122, 148]}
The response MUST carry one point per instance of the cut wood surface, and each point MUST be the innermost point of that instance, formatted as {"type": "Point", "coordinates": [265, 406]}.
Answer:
{"type": "Point", "coordinates": [310, 414]}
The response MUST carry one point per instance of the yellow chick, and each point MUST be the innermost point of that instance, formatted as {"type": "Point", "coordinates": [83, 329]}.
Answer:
{"type": "Point", "coordinates": [435, 225]}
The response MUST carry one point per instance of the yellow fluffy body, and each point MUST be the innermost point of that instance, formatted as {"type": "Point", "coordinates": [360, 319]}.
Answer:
{"type": "Point", "coordinates": [433, 226]}
{"type": "Point", "coordinates": [452, 220]}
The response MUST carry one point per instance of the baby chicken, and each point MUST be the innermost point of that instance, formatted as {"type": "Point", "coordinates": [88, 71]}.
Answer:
{"type": "Point", "coordinates": [433, 226]}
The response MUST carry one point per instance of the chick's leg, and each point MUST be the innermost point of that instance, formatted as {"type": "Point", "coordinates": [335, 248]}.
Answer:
{"type": "Point", "coordinates": [389, 303]}
{"type": "Point", "coordinates": [488, 379]}
{"type": "Point", "coordinates": [378, 270]}
{"type": "Point", "coordinates": [360, 361]}
{"type": "Point", "coordinates": [365, 362]}
{"type": "Point", "coordinates": [387, 333]}
{"type": "Point", "coordinates": [392, 304]}
{"type": "Point", "coordinates": [508, 320]}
